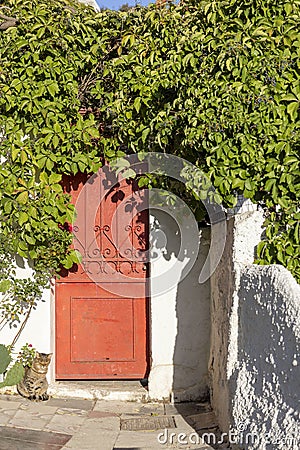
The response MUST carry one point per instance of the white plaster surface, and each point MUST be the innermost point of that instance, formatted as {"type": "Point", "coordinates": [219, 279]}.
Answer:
{"type": "Point", "coordinates": [180, 327]}
{"type": "Point", "coordinates": [254, 361]}
{"type": "Point", "coordinates": [265, 385]}
{"type": "Point", "coordinates": [38, 328]}
{"type": "Point", "coordinates": [248, 229]}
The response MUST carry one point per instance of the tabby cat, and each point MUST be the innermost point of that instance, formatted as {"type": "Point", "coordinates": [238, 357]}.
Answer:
{"type": "Point", "coordinates": [34, 384]}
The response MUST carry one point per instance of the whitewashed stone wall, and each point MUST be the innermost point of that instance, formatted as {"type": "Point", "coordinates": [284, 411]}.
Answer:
{"type": "Point", "coordinates": [254, 361]}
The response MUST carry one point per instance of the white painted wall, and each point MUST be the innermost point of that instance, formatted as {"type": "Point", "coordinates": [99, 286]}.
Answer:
{"type": "Point", "coordinates": [254, 361]}
{"type": "Point", "coordinates": [265, 382]}
{"type": "Point", "coordinates": [180, 325]}
{"type": "Point", "coordinates": [38, 328]}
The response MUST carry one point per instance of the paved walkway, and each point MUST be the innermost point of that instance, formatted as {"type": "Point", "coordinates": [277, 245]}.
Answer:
{"type": "Point", "coordinates": [104, 425]}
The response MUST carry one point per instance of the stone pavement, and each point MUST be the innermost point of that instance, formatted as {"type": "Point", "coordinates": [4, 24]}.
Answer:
{"type": "Point", "coordinates": [103, 425]}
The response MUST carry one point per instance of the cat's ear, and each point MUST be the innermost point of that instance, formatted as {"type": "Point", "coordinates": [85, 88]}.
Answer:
{"type": "Point", "coordinates": [37, 354]}
{"type": "Point", "coordinates": [49, 356]}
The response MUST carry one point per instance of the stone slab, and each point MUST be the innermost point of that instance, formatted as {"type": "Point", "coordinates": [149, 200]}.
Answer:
{"type": "Point", "coordinates": [131, 391]}
{"type": "Point", "coordinates": [22, 435]}
{"type": "Point", "coordinates": [11, 444]}
{"type": "Point", "coordinates": [7, 411]}
{"type": "Point", "coordinates": [138, 439]}
{"type": "Point", "coordinates": [66, 423]}
{"type": "Point", "coordinates": [72, 412]}
{"type": "Point", "coordinates": [203, 421]}
{"type": "Point", "coordinates": [117, 407]}
{"type": "Point", "coordinates": [8, 404]}
{"type": "Point", "coordinates": [148, 409]}
{"type": "Point", "coordinates": [71, 403]}
{"type": "Point", "coordinates": [187, 409]}
{"type": "Point", "coordinates": [145, 440]}
{"type": "Point", "coordinates": [104, 423]}
{"type": "Point", "coordinates": [101, 414]}
{"type": "Point", "coordinates": [6, 416]}
{"type": "Point", "coordinates": [34, 408]}
{"type": "Point", "coordinates": [29, 419]}
{"type": "Point", "coordinates": [96, 433]}
{"type": "Point", "coordinates": [92, 440]}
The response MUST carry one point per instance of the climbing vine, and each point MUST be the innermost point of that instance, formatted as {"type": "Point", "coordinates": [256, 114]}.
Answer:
{"type": "Point", "coordinates": [214, 82]}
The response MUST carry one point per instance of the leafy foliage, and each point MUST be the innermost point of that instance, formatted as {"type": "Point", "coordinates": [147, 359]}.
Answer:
{"type": "Point", "coordinates": [224, 95]}
{"type": "Point", "coordinates": [15, 373]}
{"type": "Point", "coordinates": [26, 355]}
{"type": "Point", "coordinates": [77, 86]}
{"type": "Point", "coordinates": [5, 358]}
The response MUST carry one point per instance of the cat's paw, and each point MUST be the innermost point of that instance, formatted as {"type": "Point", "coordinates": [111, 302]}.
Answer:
{"type": "Point", "coordinates": [44, 397]}
{"type": "Point", "coordinates": [32, 398]}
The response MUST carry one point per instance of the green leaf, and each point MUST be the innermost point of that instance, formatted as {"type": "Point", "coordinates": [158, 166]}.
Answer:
{"type": "Point", "coordinates": [237, 183]}
{"type": "Point", "coordinates": [44, 177]}
{"type": "Point", "coordinates": [68, 263]}
{"type": "Point", "coordinates": [14, 375]}
{"type": "Point", "coordinates": [5, 358]}
{"type": "Point", "coordinates": [53, 89]}
{"type": "Point", "coordinates": [30, 239]}
{"type": "Point", "coordinates": [23, 197]}
{"type": "Point", "coordinates": [289, 97]}
{"type": "Point", "coordinates": [128, 173]}
{"type": "Point", "coordinates": [23, 246]}
{"type": "Point", "coordinates": [23, 217]}
{"type": "Point", "coordinates": [48, 138]}
{"type": "Point", "coordinates": [292, 110]}
{"type": "Point", "coordinates": [145, 134]}
{"type": "Point", "coordinates": [41, 162]}
{"type": "Point", "coordinates": [55, 141]}
{"type": "Point", "coordinates": [93, 132]}
{"type": "Point", "coordinates": [283, 202]}
{"type": "Point", "coordinates": [137, 104]}
{"type": "Point", "coordinates": [269, 184]}
{"type": "Point", "coordinates": [143, 181]}
{"type": "Point", "coordinates": [14, 153]}
{"type": "Point", "coordinates": [288, 8]}
{"type": "Point", "coordinates": [54, 178]}
{"type": "Point", "coordinates": [249, 185]}
{"type": "Point", "coordinates": [49, 164]}
{"type": "Point", "coordinates": [4, 286]}
{"type": "Point", "coordinates": [23, 156]}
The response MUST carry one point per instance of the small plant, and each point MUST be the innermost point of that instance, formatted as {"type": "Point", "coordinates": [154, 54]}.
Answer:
{"type": "Point", "coordinates": [26, 355]}
{"type": "Point", "coordinates": [15, 373]}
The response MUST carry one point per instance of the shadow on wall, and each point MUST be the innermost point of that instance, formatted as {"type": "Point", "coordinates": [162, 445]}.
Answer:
{"type": "Point", "coordinates": [191, 352]}
{"type": "Point", "coordinates": [266, 384]}
{"type": "Point", "coordinates": [180, 311]}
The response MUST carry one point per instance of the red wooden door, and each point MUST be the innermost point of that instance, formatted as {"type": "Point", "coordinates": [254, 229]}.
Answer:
{"type": "Point", "coordinates": [101, 305]}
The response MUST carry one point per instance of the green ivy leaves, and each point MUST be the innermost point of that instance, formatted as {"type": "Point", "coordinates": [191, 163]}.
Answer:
{"type": "Point", "coordinates": [225, 97]}
{"type": "Point", "coordinates": [76, 85]}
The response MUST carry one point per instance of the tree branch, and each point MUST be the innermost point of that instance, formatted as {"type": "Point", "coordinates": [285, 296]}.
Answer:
{"type": "Point", "coordinates": [22, 326]}
{"type": "Point", "coordinates": [8, 22]}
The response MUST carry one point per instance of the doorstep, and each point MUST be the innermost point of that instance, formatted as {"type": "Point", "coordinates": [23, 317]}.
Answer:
{"type": "Point", "coordinates": [127, 391]}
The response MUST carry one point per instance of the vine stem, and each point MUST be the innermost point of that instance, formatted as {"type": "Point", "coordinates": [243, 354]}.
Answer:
{"type": "Point", "coordinates": [2, 322]}
{"type": "Point", "coordinates": [21, 327]}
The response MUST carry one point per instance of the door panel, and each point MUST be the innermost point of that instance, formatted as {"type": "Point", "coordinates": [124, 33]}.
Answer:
{"type": "Point", "coordinates": [103, 337]}
{"type": "Point", "coordinates": [101, 304]}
